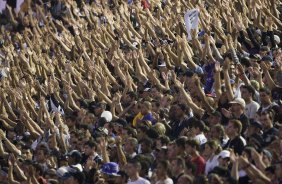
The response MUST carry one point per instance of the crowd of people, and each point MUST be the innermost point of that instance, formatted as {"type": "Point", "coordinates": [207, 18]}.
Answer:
{"type": "Point", "coordinates": [113, 92]}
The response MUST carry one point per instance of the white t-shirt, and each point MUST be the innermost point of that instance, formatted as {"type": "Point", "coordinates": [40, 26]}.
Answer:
{"type": "Point", "coordinates": [140, 180]}
{"type": "Point", "coordinates": [201, 138]}
{"type": "Point", "coordinates": [211, 164]}
{"type": "Point", "coordinates": [251, 109]}
{"type": "Point", "coordinates": [166, 181]}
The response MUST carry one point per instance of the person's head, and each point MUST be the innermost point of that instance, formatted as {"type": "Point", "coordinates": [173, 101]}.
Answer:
{"type": "Point", "coordinates": [217, 132]}
{"type": "Point", "coordinates": [180, 110]}
{"type": "Point", "coordinates": [192, 146]}
{"type": "Point", "coordinates": [185, 179]}
{"type": "Point", "coordinates": [146, 145]}
{"type": "Point", "coordinates": [155, 106]}
{"type": "Point", "coordinates": [172, 112]}
{"type": "Point", "coordinates": [99, 108]}
{"type": "Point", "coordinates": [180, 145]}
{"type": "Point", "coordinates": [141, 131]}
{"type": "Point", "coordinates": [90, 147]}
{"type": "Point", "coordinates": [88, 119]}
{"type": "Point", "coordinates": [41, 154]}
{"type": "Point", "coordinates": [267, 60]}
{"type": "Point", "coordinates": [74, 157]}
{"type": "Point", "coordinates": [214, 118]}
{"type": "Point", "coordinates": [171, 153]}
{"type": "Point", "coordinates": [177, 166]}
{"type": "Point", "coordinates": [263, 52]}
{"type": "Point", "coordinates": [146, 107]}
{"type": "Point", "coordinates": [247, 92]}
{"type": "Point", "coordinates": [212, 148]}
{"type": "Point", "coordinates": [133, 168]}
{"type": "Point", "coordinates": [233, 128]}
{"type": "Point", "coordinates": [254, 128]}
{"type": "Point", "coordinates": [198, 127]}
{"type": "Point", "coordinates": [129, 97]}
{"type": "Point", "coordinates": [265, 96]}
{"type": "Point", "coordinates": [75, 177]}
{"type": "Point", "coordinates": [26, 153]}
{"type": "Point", "coordinates": [163, 168]}
{"type": "Point", "coordinates": [238, 106]}
{"type": "Point", "coordinates": [130, 145]}
{"type": "Point", "coordinates": [224, 158]}
{"type": "Point", "coordinates": [266, 119]}
{"type": "Point", "coordinates": [162, 141]}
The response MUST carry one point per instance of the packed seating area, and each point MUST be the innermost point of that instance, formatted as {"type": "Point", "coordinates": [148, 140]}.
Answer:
{"type": "Point", "coordinates": [140, 92]}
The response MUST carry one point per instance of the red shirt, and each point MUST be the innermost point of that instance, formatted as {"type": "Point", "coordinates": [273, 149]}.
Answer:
{"type": "Point", "coordinates": [200, 163]}
{"type": "Point", "coordinates": [145, 4]}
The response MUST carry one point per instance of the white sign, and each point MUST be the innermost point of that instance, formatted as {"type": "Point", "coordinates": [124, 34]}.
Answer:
{"type": "Point", "coordinates": [2, 5]}
{"type": "Point", "coordinates": [191, 19]}
{"type": "Point", "coordinates": [19, 4]}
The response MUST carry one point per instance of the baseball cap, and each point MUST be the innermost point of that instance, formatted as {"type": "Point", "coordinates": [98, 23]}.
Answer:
{"type": "Point", "coordinates": [239, 101]}
{"type": "Point", "coordinates": [110, 168]}
{"type": "Point", "coordinates": [162, 64]}
{"type": "Point", "coordinates": [75, 153]}
{"type": "Point", "coordinates": [224, 154]}
{"type": "Point", "coordinates": [267, 58]}
{"type": "Point", "coordinates": [216, 114]}
{"type": "Point", "coordinates": [256, 124]}
{"type": "Point", "coordinates": [276, 39]}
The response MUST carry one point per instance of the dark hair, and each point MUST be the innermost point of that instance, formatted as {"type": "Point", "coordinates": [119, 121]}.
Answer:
{"type": "Point", "coordinates": [91, 144]}
{"type": "Point", "coordinates": [135, 162]}
{"type": "Point", "coordinates": [180, 142]}
{"type": "Point", "coordinates": [265, 90]}
{"type": "Point", "coordinates": [199, 124]}
{"type": "Point", "coordinates": [164, 139]}
{"type": "Point", "coordinates": [250, 89]}
{"type": "Point", "coordinates": [147, 141]}
{"type": "Point", "coordinates": [183, 107]}
{"type": "Point", "coordinates": [132, 95]}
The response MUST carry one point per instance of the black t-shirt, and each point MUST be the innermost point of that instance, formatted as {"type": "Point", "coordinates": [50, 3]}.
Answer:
{"type": "Point", "coordinates": [236, 144]}
{"type": "Point", "coordinates": [178, 126]}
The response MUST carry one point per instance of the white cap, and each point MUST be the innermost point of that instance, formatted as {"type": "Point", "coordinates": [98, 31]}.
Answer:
{"type": "Point", "coordinates": [162, 65]}
{"type": "Point", "coordinates": [239, 101]}
{"type": "Point", "coordinates": [107, 115]}
{"type": "Point", "coordinates": [224, 154]}
{"type": "Point", "coordinates": [276, 39]}
{"type": "Point", "coordinates": [147, 89]}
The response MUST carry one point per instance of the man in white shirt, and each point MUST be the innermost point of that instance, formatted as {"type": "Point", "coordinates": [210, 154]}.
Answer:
{"type": "Point", "coordinates": [132, 170]}
{"type": "Point", "coordinates": [251, 107]}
